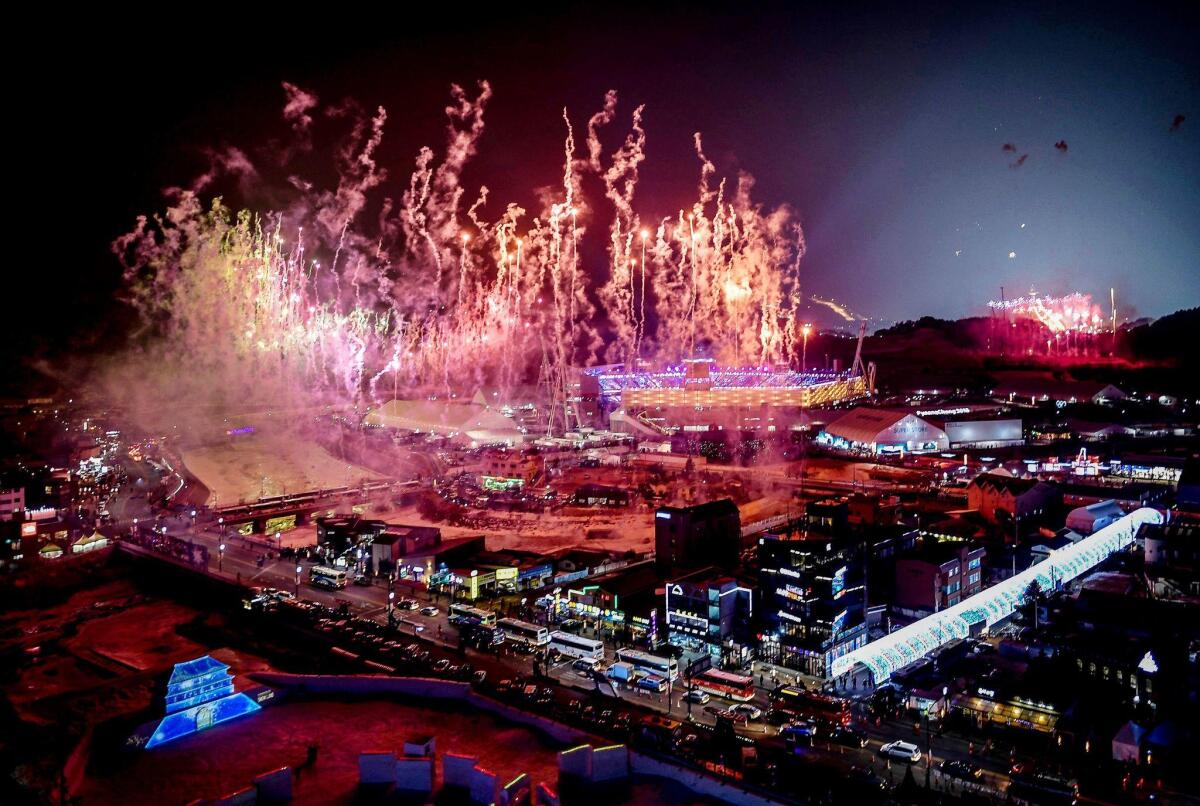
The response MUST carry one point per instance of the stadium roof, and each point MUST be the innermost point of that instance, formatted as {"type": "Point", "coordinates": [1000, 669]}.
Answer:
{"type": "Point", "coordinates": [448, 418]}
{"type": "Point", "coordinates": [900, 648]}
{"type": "Point", "coordinates": [613, 380]}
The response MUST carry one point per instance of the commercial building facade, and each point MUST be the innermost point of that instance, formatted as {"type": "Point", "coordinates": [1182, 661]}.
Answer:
{"type": "Point", "coordinates": [813, 604]}
{"type": "Point", "coordinates": [709, 612]}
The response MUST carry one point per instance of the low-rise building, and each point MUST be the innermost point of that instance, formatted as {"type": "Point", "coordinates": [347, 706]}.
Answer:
{"type": "Point", "coordinates": [995, 492]}
{"type": "Point", "coordinates": [1094, 517]}
{"type": "Point", "coordinates": [1172, 554]}
{"type": "Point", "coordinates": [710, 612]}
{"type": "Point", "coordinates": [938, 575]}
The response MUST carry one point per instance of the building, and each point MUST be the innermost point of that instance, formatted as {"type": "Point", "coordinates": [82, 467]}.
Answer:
{"type": "Point", "coordinates": [511, 470]}
{"type": "Point", "coordinates": [813, 604]}
{"type": "Point", "coordinates": [592, 495]}
{"type": "Point", "coordinates": [691, 537]}
{"type": "Point", "coordinates": [1034, 388]}
{"type": "Point", "coordinates": [391, 546]}
{"type": "Point", "coordinates": [883, 431]}
{"type": "Point", "coordinates": [1172, 553]}
{"type": "Point", "coordinates": [1086, 520]}
{"type": "Point", "coordinates": [12, 503]}
{"type": "Point", "coordinates": [996, 492]}
{"type": "Point", "coordinates": [338, 534]}
{"type": "Point", "coordinates": [1187, 491]}
{"type": "Point", "coordinates": [709, 612]}
{"type": "Point", "coordinates": [938, 575]}
{"type": "Point", "coordinates": [984, 433]}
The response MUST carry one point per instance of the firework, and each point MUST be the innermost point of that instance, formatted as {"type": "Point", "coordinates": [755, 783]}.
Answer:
{"type": "Point", "coordinates": [434, 299]}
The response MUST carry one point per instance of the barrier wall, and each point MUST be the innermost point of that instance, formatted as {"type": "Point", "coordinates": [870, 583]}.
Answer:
{"type": "Point", "coordinates": [275, 786]}
{"type": "Point", "coordinates": [697, 781]}
{"type": "Point", "coordinates": [414, 775]}
{"type": "Point", "coordinates": [376, 768]}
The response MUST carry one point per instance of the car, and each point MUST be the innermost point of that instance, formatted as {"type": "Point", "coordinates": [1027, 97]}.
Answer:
{"type": "Point", "coordinates": [848, 737]}
{"type": "Point", "coordinates": [623, 722]}
{"type": "Point", "coordinates": [865, 776]}
{"type": "Point", "coordinates": [442, 665]}
{"type": "Point", "coordinates": [571, 625]}
{"type": "Point", "coordinates": [697, 696]}
{"type": "Point", "coordinates": [960, 769]}
{"type": "Point", "coordinates": [362, 579]}
{"type": "Point", "coordinates": [801, 732]}
{"type": "Point", "coordinates": [479, 675]}
{"type": "Point", "coordinates": [748, 710]}
{"type": "Point", "coordinates": [522, 648]}
{"type": "Point", "coordinates": [429, 611]}
{"type": "Point", "coordinates": [408, 604]}
{"type": "Point", "coordinates": [901, 751]}
{"type": "Point", "coordinates": [504, 686]}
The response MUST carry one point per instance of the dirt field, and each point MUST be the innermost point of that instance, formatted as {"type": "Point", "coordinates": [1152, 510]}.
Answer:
{"type": "Point", "coordinates": [250, 466]}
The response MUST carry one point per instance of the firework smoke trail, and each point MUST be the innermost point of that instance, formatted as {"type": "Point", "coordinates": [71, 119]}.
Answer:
{"type": "Point", "coordinates": [620, 182]}
{"type": "Point", "coordinates": [251, 309]}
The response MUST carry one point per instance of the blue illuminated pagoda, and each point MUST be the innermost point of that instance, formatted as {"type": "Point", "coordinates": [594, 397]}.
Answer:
{"type": "Point", "coordinates": [199, 695]}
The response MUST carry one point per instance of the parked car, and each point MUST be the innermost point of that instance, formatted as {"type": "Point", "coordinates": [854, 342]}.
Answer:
{"type": "Point", "coordinates": [960, 769]}
{"type": "Point", "coordinates": [585, 665]}
{"type": "Point", "coordinates": [848, 737]}
{"type": "Point", "coordinates": [429, 611]}
{"type": "Point", "coordinates": [748, 710]}
{"type": "Point", "coordinates": [901, 751]}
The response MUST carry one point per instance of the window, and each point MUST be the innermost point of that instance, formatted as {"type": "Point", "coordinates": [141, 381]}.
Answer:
{"type": "Point", "coordinates": [973, 563]}
{"type": "Point", "coordinates": [973, 578]}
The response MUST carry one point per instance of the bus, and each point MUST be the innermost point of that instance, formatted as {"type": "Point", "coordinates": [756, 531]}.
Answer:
{"type": "Point", "coordinates": [1040, 788]}
{"type": "Point", "coordinates": [737, 687]}
{"type": "Point", "coordinates": [465, 614]}
{"type": "Point", "coordinates": [794, 702]}
{"type": "Point", "coordinates": [576, 647]}
{"type": "Point", "coordinates": [480, 636]}
{"type": "Point", "coordinates": [651, 664]}
{"type": "Point", "coordinates": [324, 577]}
{"type": "Point", "coordinates": [523, 632]}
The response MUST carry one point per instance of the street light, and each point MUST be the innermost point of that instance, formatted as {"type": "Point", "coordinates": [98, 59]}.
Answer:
{"type": "Point", "coordinates": [220, 558]}
{"type": "Point", "coordinates": [299, 568]}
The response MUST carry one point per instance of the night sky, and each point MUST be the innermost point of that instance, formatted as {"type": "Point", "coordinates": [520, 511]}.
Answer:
{"type": "Point", "coordinates": [884, 128]}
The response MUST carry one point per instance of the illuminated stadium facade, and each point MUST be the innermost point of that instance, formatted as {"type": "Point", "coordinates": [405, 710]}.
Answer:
{"type": "Point", "coordinates": [884, 657]}
{"type": "Point", "coordinates": [700, 383]}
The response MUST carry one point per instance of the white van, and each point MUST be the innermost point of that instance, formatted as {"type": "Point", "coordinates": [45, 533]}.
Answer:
{"type": "Point", "coordinates": [901, 751]}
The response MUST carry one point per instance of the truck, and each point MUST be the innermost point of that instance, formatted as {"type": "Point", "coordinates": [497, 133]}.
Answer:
{"type": "Point", "coordinates": [622, 672]}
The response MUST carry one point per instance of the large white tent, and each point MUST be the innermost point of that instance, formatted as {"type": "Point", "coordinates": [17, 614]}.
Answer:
{"type": "Point", "coordinates": [466, 421]}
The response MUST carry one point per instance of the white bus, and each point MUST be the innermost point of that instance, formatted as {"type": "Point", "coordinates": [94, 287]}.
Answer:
{"type": "Point", "coordinates": [524, 632]}
{"type": "Point", "coordinates": [651, 664]}
{"type": "Point", "coordinates": [324, 577]}
{"type": "Point", "coordinates": [576, 647]}
{"type": "Point", "coordinates": [465, 614]}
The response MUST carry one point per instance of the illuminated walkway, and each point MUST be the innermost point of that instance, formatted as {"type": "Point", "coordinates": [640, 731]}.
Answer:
{"type": "Point", "coordinates": [897, 650]}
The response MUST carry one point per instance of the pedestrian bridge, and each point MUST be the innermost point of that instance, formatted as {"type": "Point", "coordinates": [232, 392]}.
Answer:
{"type": "Point", "coordinates": [900, 648]}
